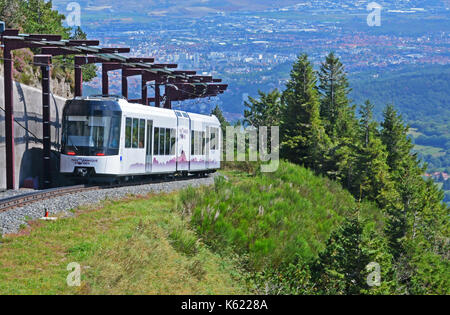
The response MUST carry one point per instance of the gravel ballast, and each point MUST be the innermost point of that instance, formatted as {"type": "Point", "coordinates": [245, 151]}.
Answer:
{"type": "Point", "coordinates": [11, 193]}
{"type": "Point", "coordinates": [11, 221]}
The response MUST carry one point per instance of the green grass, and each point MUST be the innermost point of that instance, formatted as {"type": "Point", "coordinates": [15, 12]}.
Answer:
{"type": "Point", "coordinates": [210, 240]}
{"type": "Point", "coordinates": [271, 218]}
{"type": "Point", "coordinates": [138, 246]}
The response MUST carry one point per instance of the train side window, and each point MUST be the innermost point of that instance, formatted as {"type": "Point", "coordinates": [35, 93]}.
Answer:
{"type": "Point", "coordinates": [214, 138]}
{"type": "Point", "coordinates": [156, 141]}
{"type": "Point", "coordinates": [135, 141]}
{"type": "Point", "coordinates": [203, 143]}
{"type": "Point", "coordinates": [141, 133]}
{"type": "Point", "coordinates": [195, 142]}
{"type": "Point", "coordinates": [199, 143]}
{"type": "Point", "coordinates": [149, 134]}
{"type": "Point", "coordinates": [199, 139]}
{"type": "Point", "coordinates": [162, 141]}
{"type": "Point", "coordinates": [128, 133]}
{"type": "Point", "coordinates": [173, 141]}
{"type": "Point", "coordinates": [167, 151]}
{"type": "Point", "coordinates": [192, 142]}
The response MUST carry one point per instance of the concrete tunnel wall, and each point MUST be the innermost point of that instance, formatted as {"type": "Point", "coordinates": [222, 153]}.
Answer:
{"type": "Point", "coordinates": [28, 144]}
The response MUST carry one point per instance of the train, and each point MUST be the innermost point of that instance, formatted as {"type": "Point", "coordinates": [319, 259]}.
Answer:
{"type": "Point", "coordinates": [107, 138]}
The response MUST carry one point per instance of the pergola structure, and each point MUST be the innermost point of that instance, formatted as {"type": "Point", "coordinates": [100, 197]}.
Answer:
{"type": "Point", "coordinates": [179, 84]}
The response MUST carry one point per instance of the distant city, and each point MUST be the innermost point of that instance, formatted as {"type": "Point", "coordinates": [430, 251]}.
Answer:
{"type": "Point", "coordinates": [258, 47]}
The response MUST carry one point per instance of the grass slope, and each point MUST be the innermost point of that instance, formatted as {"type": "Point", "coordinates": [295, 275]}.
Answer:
{"type": "Point", "coordinates": [272, 218]}
{"type": "Point", "coordinates": [210, 240]}
{"type": "Point", "coordinates": [139, 246]}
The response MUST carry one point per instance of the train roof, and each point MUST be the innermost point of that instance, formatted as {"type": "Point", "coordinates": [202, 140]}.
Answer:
{"type": "Point", "coordinates": [139, 108]}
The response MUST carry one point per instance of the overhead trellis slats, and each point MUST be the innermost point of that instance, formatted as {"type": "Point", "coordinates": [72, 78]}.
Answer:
{"type": "Point", "coordinates": [179, 84]}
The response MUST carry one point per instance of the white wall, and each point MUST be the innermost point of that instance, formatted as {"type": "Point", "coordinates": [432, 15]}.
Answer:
{"type": "Point", "coordinates": [28, 149]}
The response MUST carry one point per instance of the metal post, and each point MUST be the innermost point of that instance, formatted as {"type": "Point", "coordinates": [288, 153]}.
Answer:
{"type": "Point", "coordinates": [78, 80]}
{"type": "Point", "coordinates": [168, 103]}
{"type": "Point", "coordinates": [44, 61]}
{"type": "Point", "coordinates": [157, 95]}
{"type": "Point", "coordinates": [144, 91]}
{"type": "Point", "coordinates": [124, 86]}
{"type": "Point", "coordinates": [9, 118]}
{"type": "Point", "coordinates": [105, 83]}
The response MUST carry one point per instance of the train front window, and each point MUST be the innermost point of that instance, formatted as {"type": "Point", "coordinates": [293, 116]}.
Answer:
{"type": "Point", "coordinates": [92, 135]}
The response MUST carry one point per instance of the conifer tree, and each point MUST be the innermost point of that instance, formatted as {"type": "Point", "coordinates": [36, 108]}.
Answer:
{"type": "Point", "coordinates": [264, 111]}
{"type": "Point", "coordinates": [89, 70]}
{"type": "Point", "coordinates": [304, 140]}
{"type": "Point", "coordinates": [417, 228]}
{"type": "Point", "coordinates": [420, 201]}
{"type": "Point", "coordinates": [340, 268]}
{"type": "Point", "coordinates": [38, 16]}
{"type": "Point", "coordinates": [373, 180]}
{"type": "Point", "coordinates": [394, 135]}
{"type": "Point", "coordinates": [338, 117]}
{"type": "Point", "coordinates": [217, 111]}
{"type": "Point", "coordinates": [335, 110]}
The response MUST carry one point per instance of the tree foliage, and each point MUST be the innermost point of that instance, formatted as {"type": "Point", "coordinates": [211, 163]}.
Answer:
{"type": "Point", "coordinates": [304, 140]}
{"type": "Point", "coordinates": [376, 163]}
{"type": "Point", "coordinates": [38, 17]}
{"type": "Point", "coordinates": [265, 111]}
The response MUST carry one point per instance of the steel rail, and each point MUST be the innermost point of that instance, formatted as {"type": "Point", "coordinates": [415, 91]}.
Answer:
{"type": "Point", "coordinates": [17, 201]}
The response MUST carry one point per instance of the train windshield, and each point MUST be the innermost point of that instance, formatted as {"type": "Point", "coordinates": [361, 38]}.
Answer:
{"type": "Point", "coordinates": [95, 134]}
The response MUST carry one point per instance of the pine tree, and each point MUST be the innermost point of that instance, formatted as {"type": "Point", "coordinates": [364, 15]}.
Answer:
{"type": "Point", "coordinates": [39, 17]}
{"type": "Point", "coordinates": [420, 201]}
{"type": "Point", "coordinates": [335, 110]}
{"type": "Point", "coordinates": [340, 268]}
{"type": "Point", "coordinates": [304, 140]}
{"type": "Point", "coordinates": [394, 135]}
{"type": "Point", "coordinates": [219, 114]}
{"type": "Point", "coordinates": [372, 178]}
{"type": "Point", "coordinates": [265, 111]}
{"type": "Point", "coordinates": [89, 70]}
{"type": "Point", "coordinates": [405, 172]}
{"type": "Point", "coordinates": [338, 117]}
{"type": "Point", "coordinates": [417, 227]}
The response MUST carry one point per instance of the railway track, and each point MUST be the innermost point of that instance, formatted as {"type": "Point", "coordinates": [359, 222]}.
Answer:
{"type": "Point", "coordinates": [9, 203]}
{"type": "Point", "coordinates": [25, 199]}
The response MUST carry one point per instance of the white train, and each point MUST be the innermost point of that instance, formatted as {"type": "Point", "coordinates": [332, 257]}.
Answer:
{"type": "Point", "coordinates": [109, 138]}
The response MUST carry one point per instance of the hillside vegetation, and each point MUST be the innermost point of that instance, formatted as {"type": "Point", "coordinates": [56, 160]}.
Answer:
{"type": "Point", "coordinates": [235, 237]}
{"type": "Point", "coordinates": [136, 246]}
{"type": "Point", "coordinates": [421, 95]}
{"type": "Point", "coordinates": [288, 232]}
{"type": "Point", "coordinates": [322, 130]}
{"type": "Point", "coordinates": [279, 223]}
{"type": "Point", "coordinates": [273, 217]}
{"type": "Point", "coordinates": [39, 17]}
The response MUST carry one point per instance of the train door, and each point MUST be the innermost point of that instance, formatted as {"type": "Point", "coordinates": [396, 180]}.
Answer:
{"type": "Point", "coordinates": [149, 150]}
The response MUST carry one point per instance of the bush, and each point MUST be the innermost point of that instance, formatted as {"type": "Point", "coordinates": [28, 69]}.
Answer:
{"type": "Point", "coordinates": [275, 218]}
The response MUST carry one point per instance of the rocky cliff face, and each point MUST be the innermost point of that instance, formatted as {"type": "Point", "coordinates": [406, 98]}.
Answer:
{"type": "Point", "coordinates": [32, 77]}
{"type": "Point", "coordinates": [61, 87]}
